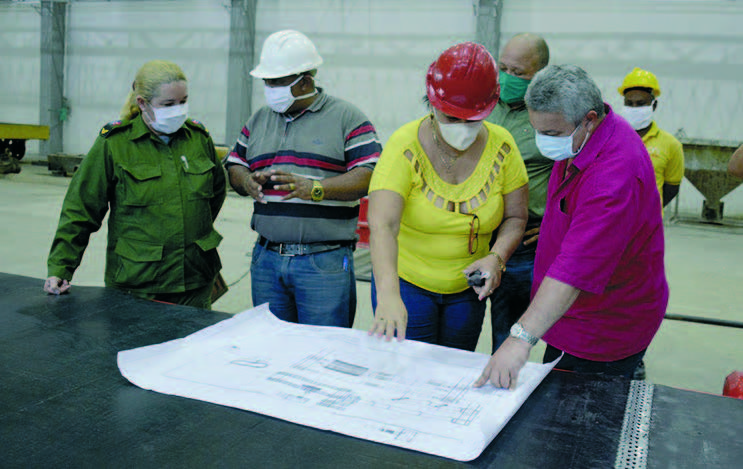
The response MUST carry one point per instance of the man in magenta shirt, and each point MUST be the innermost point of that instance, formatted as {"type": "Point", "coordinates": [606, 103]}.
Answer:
{"type": "Point", "coordinates": [600, 291]}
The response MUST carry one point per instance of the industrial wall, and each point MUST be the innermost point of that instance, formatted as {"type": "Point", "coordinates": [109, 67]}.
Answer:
{"type": "Point", "coordinates": [376, 53]}
{"type": "Point", "coordinates": [20, 66]}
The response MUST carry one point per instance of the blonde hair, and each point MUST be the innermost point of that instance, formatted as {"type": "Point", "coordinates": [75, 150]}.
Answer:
{"type": "Point", "coordinates": [147, 82]}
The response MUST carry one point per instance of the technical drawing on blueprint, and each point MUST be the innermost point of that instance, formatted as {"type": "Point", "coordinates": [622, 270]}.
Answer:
{"type": "Point", "coordinates": [408, 394]}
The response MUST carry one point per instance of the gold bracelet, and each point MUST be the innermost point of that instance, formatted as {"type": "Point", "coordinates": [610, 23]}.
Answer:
{"type": "Point", "coordinates": [501, 263]}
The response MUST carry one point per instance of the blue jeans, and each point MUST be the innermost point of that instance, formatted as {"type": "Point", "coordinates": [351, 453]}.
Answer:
{"type": "Point", "coordinates": [624, 367]}
{"type": "Point", "coordinates": [317, 289]}
{"type": "Point", "coordinates": [510, 300]}
{"type": "Point", "coordinates": [452, 320]}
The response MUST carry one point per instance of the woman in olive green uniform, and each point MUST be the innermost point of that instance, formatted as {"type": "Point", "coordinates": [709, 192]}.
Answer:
{"type": "Point", "coordinates": [159, 175]}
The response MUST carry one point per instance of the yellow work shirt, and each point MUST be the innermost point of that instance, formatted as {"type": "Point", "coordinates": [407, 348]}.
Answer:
{"type": "Point", "coordinates": [435, 225]}
{"type": "Point", "coordinates": [667, 155]}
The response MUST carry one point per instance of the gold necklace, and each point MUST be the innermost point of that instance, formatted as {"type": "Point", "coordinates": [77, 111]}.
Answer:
{"type": "Point", "coordinates": [448, 164]}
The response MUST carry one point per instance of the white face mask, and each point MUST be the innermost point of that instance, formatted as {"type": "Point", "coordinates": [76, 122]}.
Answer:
{"type": "Point", "coordinates": [280, 98]}
{"type": "Point", "coordinates": [460, 135]}
{"type": "Point", "coordinates": [169, 119]}
{"type": "Point", "coordinates": [638, 117]}
{"type": "Point", "coordinates": [558, 148]}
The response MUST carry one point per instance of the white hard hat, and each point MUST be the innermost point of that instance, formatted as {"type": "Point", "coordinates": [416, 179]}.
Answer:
{"type": "Point", "coordinates": [286, 53]}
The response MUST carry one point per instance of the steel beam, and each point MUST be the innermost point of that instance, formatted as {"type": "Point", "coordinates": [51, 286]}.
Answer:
{"type": "Point", "coordinates": [487, 32]}
{"type": "Point", "coordinates": [53, 17]}
{"type": "Point", "coordinates": [241, 61]}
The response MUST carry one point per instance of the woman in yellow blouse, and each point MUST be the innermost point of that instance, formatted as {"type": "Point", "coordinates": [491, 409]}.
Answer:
{"type": "Point", "coordinates": [443, 185]}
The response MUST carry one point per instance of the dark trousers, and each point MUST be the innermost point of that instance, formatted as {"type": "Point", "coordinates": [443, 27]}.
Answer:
{"type": "Point", "coordinates": [510, 300]}
{"type": "Point", "coordinates": [624, 367]}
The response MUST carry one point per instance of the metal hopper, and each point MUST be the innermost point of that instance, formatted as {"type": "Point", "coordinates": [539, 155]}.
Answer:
{"type": "Point", "coordinates": [706, 163]}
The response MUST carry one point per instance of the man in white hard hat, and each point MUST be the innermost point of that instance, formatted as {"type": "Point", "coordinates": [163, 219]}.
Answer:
{"type": "Point", "coordinates": [306, 159]}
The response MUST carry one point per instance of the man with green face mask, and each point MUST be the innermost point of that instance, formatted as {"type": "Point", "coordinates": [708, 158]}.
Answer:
{"type": "Point", "coordinates": [522, 57]}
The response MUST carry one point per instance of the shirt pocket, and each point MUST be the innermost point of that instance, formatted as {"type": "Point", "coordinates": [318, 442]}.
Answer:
{"type": "Point", "coordinates": [562, 216]}
{"type": "Point", "coordinates": [205, 258]}
{"type": "Point", "coordinates": [138, 262]}
{"type": "Point", "coordinates": [142, 185]}
{"type": "Point", "coordinates": [199, 178]}
{"type": "Point", "coordinates": [210, 241]}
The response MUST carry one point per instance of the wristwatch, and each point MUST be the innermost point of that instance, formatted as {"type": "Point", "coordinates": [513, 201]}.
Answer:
{"type": "Point", "coordinates": [518, 331]}
{"type": "Point", "coordinates": [317, 192]}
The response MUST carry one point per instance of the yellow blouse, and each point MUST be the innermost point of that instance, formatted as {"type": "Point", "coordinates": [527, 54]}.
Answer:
{"type": "Point", "coordinates": [434, 239]}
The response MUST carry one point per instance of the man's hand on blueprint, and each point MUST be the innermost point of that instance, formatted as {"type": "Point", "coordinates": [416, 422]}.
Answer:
{"type": "Point", "coordinates": [390, 316]}
{"type": "Point", "coordinates": [503, 368]}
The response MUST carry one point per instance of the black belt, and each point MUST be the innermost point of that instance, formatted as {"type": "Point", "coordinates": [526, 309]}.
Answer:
{"type": "Point", "coordinates": [302, 249]}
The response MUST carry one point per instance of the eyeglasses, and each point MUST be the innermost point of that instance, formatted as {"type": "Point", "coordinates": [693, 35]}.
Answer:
{"type": "Point", "coordinates": [474, 241]}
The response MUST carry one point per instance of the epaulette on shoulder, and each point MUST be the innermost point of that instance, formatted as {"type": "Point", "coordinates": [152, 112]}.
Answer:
{"type": "Point", "coordinates": [197, 125]}
{"type": "Point", "coordinates": [112, 127]}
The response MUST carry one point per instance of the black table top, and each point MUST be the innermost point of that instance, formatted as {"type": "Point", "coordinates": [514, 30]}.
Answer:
{"type": "Point", "coordinates": [63, 403]}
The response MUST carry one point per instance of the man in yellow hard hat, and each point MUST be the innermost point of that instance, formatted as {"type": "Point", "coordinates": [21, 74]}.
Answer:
{"type": "Point", "coordinates": [641, 90]}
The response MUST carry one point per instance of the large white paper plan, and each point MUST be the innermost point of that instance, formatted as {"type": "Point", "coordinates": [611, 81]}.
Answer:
{"type": "Point", "coordinates": [409, 394]}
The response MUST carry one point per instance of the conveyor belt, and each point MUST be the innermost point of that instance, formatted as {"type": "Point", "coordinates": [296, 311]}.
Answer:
{"type": "Point", "coordinates": [63, 403]}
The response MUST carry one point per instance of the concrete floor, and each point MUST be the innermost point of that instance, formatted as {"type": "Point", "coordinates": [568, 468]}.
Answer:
{"type": "Point", "coordinates": [704, 265]}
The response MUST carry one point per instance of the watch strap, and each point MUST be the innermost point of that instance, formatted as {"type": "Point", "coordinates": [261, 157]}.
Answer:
{"type": "Point", "coordinates": [518, 331]}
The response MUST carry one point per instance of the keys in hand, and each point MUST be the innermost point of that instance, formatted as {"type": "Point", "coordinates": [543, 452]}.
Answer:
{"type": "Point", "coordinates": [475, 279]}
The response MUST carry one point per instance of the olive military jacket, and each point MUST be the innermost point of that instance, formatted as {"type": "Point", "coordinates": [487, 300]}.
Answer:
{"type": "Point", "coordinates": [163, 200]}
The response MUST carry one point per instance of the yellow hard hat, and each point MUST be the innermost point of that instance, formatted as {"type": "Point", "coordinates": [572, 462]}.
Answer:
{"type": "Point", "coordinates": [639, 78]}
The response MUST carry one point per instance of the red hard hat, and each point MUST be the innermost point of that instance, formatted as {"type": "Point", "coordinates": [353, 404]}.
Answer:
{"type": "Point", "coordinates": [463, 82]}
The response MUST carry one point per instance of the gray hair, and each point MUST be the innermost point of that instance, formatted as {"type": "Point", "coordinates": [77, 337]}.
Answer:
{"type": "Point", "coordinates": [566, 90]}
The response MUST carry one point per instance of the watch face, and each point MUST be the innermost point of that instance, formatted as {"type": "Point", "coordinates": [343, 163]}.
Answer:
{"type": "Point", "coordinates": [317, 193]}
{"type": "Point", "coordinates": [518, 331]}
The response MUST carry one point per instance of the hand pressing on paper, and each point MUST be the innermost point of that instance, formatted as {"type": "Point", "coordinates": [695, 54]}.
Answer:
{"type": "Point", "coordinates": [503, 368]}
{"type": "Point", "coordinates": [56, 286]}
{"type": "Point", "coordinates": [391, 318]}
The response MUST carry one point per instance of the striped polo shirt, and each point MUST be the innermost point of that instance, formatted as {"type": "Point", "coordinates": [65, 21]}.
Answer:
{"type": "Point", "coordinates": [329, 138]}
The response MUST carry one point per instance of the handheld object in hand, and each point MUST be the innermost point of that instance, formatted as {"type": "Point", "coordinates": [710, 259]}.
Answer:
{"type": "Point", "coordinates": [475, 279]}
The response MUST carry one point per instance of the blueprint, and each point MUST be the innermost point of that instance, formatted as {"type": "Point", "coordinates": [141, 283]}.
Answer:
{"type": "Point", "coordinates": [408, 394]}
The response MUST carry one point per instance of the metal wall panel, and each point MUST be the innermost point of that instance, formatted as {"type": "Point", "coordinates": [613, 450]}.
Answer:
{"type": "Point", "coordinates": [694, 47]}
{"type": "Point", "coordinates": [376, 52]}
{"type": "Point", "coordinates": [109, 41]}
{"type": "Point", "coordinates": [20, 66]}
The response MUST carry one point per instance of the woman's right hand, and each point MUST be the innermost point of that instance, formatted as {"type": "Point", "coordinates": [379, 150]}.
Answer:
{"type": "Point", "coordinates": [391, 316]}
{"type": "Point", "coordinates": [56, 286]}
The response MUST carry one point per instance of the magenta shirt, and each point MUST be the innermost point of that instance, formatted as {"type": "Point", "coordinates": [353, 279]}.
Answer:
{"type": "Point", "coordinates": [602, 233]}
